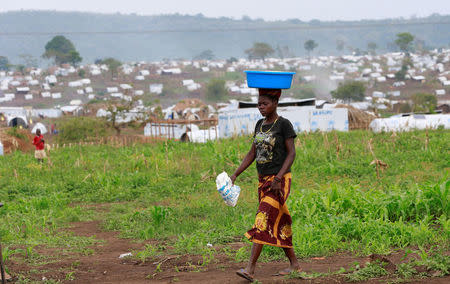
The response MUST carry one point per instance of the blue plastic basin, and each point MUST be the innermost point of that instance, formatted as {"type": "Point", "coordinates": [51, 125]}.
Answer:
{"type": "Point", "coordinates": [269, 79]}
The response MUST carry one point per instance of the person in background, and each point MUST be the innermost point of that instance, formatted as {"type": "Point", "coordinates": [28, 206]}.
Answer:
{"type": "Point", "coordinates": [274, 151]}
{"type": "Point", "coordinates": [38, 142]}
{"type": "Point", "coordinates": [52, 128]}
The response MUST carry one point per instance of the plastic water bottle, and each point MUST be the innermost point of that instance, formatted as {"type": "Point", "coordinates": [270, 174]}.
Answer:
{"type": "Point", "coordinates": [228, 191]}
{"type": "Point", "coordinates": [1, 148]}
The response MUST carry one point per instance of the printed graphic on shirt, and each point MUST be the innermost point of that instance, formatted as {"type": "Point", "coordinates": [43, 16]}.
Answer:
{"type": "Point", "coordinates": [264, 143]}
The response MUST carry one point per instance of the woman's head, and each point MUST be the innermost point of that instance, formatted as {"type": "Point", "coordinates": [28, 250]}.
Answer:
{"type": "Point", "coordinates": [273, 94]}
{"type": "Point", "coordinates": [38, 132]}
{"type": "Point", "coordinates": [268, 101]}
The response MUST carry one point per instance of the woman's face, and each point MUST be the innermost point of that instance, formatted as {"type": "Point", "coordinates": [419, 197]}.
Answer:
{"type": "Point", "coordinates": [266, 105]}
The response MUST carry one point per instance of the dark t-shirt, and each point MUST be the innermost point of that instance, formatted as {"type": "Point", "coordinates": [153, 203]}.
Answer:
{"type": "Point", "coordinates": [270, 145]}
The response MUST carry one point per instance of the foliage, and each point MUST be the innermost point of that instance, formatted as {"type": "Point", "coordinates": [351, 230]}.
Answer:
{"type": "Point", "coordinates": [404, 42]}
{"type": "Point", "coordinates": [205, 55]}
{"type": "Point", "coordinates": [75, 129]}
{"type": "Point", "coordinates": [310, 45]}
{"type": "Point", "coordinates": [21, 68]}
{"type": "Point", "coordinates": [113, 64]}
{"type": "Point", "coordinates": [372, 47]}
{"type": "Point", "coordinates": [424, 102]}
{"type": "Point", "coordinates": [4, 63]}
{"type": "Point", "coordinates": [404, 108]}
{"type": "Point", "coordinates": [28, 60]}
{"type": "Point", "coordinates": [371, 270]}
{"type": "Point", "coordinates": [350, 91]}
{"type": "Point", "coordinates": [62, 51]}
{"type": "Point", "coordinates": [283, 51]}
{"type": "Point", "coordinates": [340, 44]}
{"type": "Point", "coordinates": [231, 60]}
{"type": "Point", "coordinates": [260, 50]}
{"type": "Point", "coordinates": [117, 113]}
{"type": "Point", "coordinates": [337, 202]}
{"type": "Point", "coordinates": [215, 90]}
{"type": "Point", "coordinates": [12, 131]}
{"type": "Point", "coordinates": [400, 75]}
{"type": "Point", "coordinates": [82, 73]}
{"type": "Point", "coordinates": [304, 92]}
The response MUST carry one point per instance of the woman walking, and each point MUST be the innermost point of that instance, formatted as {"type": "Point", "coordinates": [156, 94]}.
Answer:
{"type": "Point", "coordinates": [274, 151]}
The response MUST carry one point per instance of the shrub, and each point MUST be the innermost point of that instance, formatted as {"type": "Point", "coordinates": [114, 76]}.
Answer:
{"type": "Point", "coordinates": [77, 129]}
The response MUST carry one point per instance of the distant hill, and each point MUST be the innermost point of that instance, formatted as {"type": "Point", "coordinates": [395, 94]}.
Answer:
{"type": "Point", "coordinates": [133, 37]}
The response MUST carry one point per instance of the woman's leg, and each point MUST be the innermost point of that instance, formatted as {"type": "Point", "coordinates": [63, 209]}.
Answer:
{"type": "Point", "coordinates": [256, 251]}
{"type": "Point", "coordinates": [290, 253]}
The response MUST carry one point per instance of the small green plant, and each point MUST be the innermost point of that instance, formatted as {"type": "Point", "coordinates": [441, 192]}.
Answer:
{"type": "Point", "coordinates": [405, 270]}
{"type": "Point", "coordinates": [148, 252]}
{"type": "Point", "coordinates": [438, 261]}
{"type": "Point", "coordinates": [15, 133]}
{"type": "Point", "coordinates": [70, 276]}
{"type": "Point", "coordinates": [159, 213]}
{"type": "Point", "coordinates": [158, 268]}
{"type": "Point", "coordinates": [371, 270]}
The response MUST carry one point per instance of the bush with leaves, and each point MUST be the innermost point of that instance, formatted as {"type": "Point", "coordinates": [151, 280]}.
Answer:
{"type": "Point", "coordinates": [77, 129]}
{"type": "Point", "coordinates": [215, 90]}
{"type": "Point", "coordinates": [350, 91]}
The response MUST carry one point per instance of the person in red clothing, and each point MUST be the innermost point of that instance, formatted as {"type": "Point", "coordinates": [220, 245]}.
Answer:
{"type": "Point", "coordinates": [38, 141]}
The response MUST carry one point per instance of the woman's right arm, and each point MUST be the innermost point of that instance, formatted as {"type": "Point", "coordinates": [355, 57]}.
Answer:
{"type": "Point", "coordinates": [246, 162]}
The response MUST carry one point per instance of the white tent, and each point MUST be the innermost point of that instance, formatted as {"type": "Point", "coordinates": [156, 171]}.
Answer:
{"type": "Point", "coordinates": [39, 126]}
{"type": "Point", "coordinates": [407, 123]}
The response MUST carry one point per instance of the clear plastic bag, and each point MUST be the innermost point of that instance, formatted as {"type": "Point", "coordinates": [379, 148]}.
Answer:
{"type": "Point", "coordinates": [228, 191]}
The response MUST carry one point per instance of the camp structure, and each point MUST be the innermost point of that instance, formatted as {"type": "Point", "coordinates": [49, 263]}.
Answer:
{"type": "Point", "coordinates": [240, 118]}
{"type": "Point", "coordinates": [39, 126]}
{"type": "Point", "coordinates": [17, 121]}
{"type": "Point", "coordinates": [407, 122]}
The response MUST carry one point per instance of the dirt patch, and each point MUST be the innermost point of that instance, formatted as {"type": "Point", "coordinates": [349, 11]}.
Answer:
{"type": "Point", "coordinates": [13, 143]}
{"type": "Point", "coordinates": [104, 266]}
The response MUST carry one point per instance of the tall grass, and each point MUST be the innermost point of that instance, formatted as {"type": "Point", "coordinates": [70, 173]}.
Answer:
{"type": "Point", "coordinates": [166, 191]}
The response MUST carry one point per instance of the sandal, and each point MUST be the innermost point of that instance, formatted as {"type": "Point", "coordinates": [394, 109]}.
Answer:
{"type": "Point", "coordinates": [244, 274]}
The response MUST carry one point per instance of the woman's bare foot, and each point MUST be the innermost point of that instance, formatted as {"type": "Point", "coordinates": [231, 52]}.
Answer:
{"type": "Point", "coordinates": [289, 270]}
{"type": "Point", "coordinates": [243, 272]}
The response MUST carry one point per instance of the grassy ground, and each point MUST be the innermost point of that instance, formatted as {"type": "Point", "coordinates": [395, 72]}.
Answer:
{"type": "Point", "coordinates": [166, 191]}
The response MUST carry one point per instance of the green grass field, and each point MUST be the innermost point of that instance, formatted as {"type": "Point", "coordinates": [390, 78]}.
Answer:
{"type": "Point", "coordinates": [166, 192]}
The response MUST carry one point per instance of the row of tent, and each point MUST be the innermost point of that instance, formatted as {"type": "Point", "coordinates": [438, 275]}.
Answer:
{"type": "Point", "coordinates": [410, 122]}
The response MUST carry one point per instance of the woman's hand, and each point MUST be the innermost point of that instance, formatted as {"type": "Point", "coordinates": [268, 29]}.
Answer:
{"type": "Point", "coordinates": [276, 186]}
{"type": "Point", "coordinates": [233, 178]}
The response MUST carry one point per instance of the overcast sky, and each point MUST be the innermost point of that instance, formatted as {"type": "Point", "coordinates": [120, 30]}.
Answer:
{"type": "Point", "coordinates": [270, 10]}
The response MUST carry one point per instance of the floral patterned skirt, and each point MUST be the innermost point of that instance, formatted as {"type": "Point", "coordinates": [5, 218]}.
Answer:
{"type": "Point", "coordinates": [273, 222]}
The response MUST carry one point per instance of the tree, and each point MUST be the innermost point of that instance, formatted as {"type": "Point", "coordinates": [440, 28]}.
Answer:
{"type": "Point", "coordinates": [29, 60]}
{"type": "Point", "coordinates": [400, 75]}
{"type": "Point", "coordinates": [350, 91]}
{"type": "Point", "coordinates": [424, 102]}
{"type": "Point", "coordinates": [215, 90]}
{"type": "Point", "coordinates": [113, 65]}
{"type": "Point", "coordinates": [118, 113]}
{"type": "Point", "coordinates": [74, 57]}
{"type": "Point", "coordinates": [283, 51]}
{"type": "Point", "coordinates": [205, 55]}
{"type": "Point", "coordinates": [4, 63]}
{"type": "Point", "coordinates": [232, 59]}
{"type": "Point", "coordinates": [310, 45]}
{"type": "Point", "coordinates": [260, 50]}
{"type": "Point", "coordinates": [404, 42]}
{"type": "Point", "coordinates": [21, 68]}
{"type": "Point", "coordinates": [62, 50]}
{"type": "Point", "coordinates": [371, 47]}
{"type": "Point", "coordinates": [340, 45]}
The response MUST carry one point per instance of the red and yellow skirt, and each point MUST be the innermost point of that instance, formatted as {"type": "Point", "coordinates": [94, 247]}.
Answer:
{"type": "Point", "coordinates": [273, 222]}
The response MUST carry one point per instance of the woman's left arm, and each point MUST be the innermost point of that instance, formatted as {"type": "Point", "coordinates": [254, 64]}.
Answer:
{"type": "Point", "coordinates": [290, 157]}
